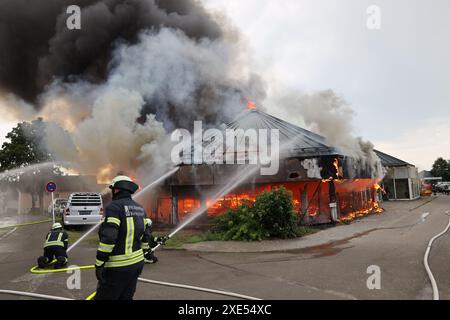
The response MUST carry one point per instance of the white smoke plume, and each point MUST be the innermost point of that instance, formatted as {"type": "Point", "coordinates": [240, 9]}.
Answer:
{"type": "Point", "coordinates": [95, 127]}
{"type": "Point", "coordinates": [329, 115]}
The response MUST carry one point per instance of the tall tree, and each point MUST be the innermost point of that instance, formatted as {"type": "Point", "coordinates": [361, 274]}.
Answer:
{"type": "Point", "coordinates": [24, 149]}
{"type": "Point", "coordinates": [441, 168]}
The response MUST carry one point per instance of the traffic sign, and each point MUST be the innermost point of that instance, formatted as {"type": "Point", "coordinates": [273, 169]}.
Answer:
{"type": "Point", "coordinates": [51, 187]}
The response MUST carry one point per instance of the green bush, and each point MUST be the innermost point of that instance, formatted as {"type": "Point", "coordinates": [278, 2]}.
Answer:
{"type": "Point", "coordinates": [270, 216]}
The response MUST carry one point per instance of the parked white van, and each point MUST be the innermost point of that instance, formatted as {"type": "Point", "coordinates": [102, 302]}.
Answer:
{"type": "Point", "coordinates": [83, 208]}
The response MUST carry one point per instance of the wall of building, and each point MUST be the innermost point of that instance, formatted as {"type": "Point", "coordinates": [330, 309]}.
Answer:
{"type": "Point", "coordinates": [311, 200]}
{"type": "Point", "coordinates": [402, 183]}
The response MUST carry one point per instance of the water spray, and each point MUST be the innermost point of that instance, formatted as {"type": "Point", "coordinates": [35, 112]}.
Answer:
{"type": "Point", "coordinates": [147, 188]}
{"type": "Point", "coordinates": [237, 179]}
{"type": "Point", "coordinates": [232, 184]}
{"type": "Point", "coordinates": [22, 170]}
{"type": "Point", "coordinates": [156, 182]}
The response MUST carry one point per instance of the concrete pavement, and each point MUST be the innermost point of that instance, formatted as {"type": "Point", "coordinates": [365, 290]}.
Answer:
{"type": "Point", "coordinates": [331, 264]}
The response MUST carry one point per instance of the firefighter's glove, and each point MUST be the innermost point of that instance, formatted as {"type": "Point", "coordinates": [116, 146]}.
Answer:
{"type": "Point", "coordinates": [162, 240]}
{"type": "Point", "coordinates": [99, 272]}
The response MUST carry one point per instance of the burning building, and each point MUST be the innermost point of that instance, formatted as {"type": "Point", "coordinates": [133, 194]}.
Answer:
{"type": "Point", "coordinates": [327, 185]}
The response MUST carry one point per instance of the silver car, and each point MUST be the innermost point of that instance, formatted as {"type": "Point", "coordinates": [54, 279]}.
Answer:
{"type": "Point", "coordinates": [83, 208]}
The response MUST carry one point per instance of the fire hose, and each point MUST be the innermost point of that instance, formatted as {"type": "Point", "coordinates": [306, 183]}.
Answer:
{"type": "Point", "coordinates": [183, 286]}
{"type": "Point", "coordinates": [15, 226]}
{"type": "Point", "coordinates": [35, 270]}
{"type": "Point", "coordinates": [426, 258]}
{"type": "Point", "coordinates": [25, 224]}
{"type": "Point", "coordinates": [33, 295]}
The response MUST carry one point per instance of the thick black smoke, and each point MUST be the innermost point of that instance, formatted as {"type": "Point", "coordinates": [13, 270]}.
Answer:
{"type": "Point", "coordinates": [36, 47]}
{"type": "Point", "coordinates": [135, 71]}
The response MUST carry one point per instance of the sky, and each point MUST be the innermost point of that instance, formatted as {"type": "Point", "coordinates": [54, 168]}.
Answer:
{"type": "Point", "coordinates": [397, 79]}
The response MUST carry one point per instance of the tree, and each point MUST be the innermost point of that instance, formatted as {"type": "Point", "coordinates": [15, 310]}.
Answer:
{"type": "Point", "coordinates": [26, 147]}
{"type": "Point", "coordinates": [441, 168]}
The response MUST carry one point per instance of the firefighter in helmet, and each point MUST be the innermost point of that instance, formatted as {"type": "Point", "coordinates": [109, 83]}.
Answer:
{"type": "Point", "coordinates": [149, 242]}
{"type": "Point", "coordinates": [120, 257]}
{"type": "Point", "coordinates": [55, 247]}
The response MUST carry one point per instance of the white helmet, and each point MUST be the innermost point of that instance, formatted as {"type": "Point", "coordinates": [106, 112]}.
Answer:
{"type": "Point", "coordinates": [124, 183]}
{"type": "Point", "coordinates": [56, 226]}
{"type": "Point", "coordinates": [148, 222]}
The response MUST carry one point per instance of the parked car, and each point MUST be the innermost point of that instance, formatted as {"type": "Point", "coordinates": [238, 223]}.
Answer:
{"type": "Point", "coordinates": [83, 208]}
{"type": "Point", "coordinates": [443, 187]}
{"type": "Point", "coordinates": [60, 205]}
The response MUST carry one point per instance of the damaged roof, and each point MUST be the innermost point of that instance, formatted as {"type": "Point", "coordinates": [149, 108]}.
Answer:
{"type": "Point", "coordinates": [302, 143]}
{"type": "Point", "coordinates": [390, 161]}
{"type": "Point", "coordinates": [296, 141]}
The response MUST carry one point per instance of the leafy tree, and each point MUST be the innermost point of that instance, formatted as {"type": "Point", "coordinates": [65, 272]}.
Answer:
{"type": "Point", "coordinates": [25, 148]}
{"type": "Point", "coordinates": [441, 168]}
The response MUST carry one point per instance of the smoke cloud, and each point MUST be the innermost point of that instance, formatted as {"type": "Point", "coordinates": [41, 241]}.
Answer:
{"type": "Point", "coordinates": [329, 115]}
{"type": "Point", "coordinates": [112, 90]}
{"type": "Point", "coordinates": [37, 47]}
{"type": "Point", "coordinates": [136, 70]}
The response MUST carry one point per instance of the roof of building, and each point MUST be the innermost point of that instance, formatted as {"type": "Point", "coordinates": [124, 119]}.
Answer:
{"type": "Point", "coordinates": [301, 142]}
{"type": "Point", "coordinates": [294, 141]}
{"type": "Point", "coordinates": [390, 161]}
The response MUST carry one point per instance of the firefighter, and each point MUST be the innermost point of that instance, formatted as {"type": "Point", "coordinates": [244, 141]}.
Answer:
{"type": "Point", "coordinates": [149, 242]}
{"type": "Point", "coordinates": [120, 257]}
{"type": "Point", "coordinates": [55, 248]}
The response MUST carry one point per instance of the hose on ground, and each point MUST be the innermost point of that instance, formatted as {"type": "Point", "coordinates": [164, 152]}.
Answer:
{"type": "Point", "coordinates": [427, 266]}
{"type": "Point", "coordinates": [90, 297]}
{"type": "Point", "coordinates": [36, 270]}
{"type": "Point", "coordinates": [25, 224]}
{"type": "Point", "coordinates": [33, 295]}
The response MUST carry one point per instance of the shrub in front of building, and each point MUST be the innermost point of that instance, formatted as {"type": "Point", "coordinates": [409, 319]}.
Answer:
{"type": "Point", "coordinates": [271, 216]}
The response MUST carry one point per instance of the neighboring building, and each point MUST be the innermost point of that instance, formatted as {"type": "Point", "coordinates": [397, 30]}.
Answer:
{"type": "Point", "coordinates": [402, 180]}
{"type": "Point", "coordinates": [14, 201]}
{"type": "Point", "coordinates": [427, 177]}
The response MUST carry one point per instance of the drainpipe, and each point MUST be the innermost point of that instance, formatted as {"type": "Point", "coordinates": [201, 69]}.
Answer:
{"type": "Point", "coordinates": [304, 204]}
{"type": "Point", "coordinates": [174, 213]}
{"type": "Point", "coordinates": [333, 201]}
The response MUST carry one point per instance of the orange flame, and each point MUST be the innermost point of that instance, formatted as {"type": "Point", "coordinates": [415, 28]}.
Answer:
{"type": "Point", "coordinates": [104, 175]}
{"type": "Point", "coordinates": [336, 165]}
{"type": "Point", "coordinates": [251, 105]}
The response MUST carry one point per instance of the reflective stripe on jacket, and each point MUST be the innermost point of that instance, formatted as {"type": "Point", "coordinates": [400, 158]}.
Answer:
{"type": "Point", "coordinates": [121, 233]}
{"type": "Point", "coordinates": [56, 238]}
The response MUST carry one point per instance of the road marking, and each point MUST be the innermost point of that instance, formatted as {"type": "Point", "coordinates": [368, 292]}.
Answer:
{"type": "Point", "coordinates": [424, 216]}
{"type": "Point", "coordinates": [7, 234]}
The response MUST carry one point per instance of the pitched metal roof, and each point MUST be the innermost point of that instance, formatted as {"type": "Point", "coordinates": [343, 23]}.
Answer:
{"type": "Point", "coordinates": [301, 142]}
{"type": "Point", "coordinates": [390, 161]}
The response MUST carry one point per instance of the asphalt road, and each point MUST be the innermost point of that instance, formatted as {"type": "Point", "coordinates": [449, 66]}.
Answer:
{"type": "Point", "coordinates": [396, 243]}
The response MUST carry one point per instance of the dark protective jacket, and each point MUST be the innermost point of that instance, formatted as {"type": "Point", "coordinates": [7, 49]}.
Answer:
{"type": "Point", "coordinates": [148, 241]}
{"type": "Point", "coordinates": [56, 238]}
{"type": "Point", "coordinates": [121, 233]}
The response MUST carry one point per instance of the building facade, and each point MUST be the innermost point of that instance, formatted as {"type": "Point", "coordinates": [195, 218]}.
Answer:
{"type": "Point", "coordinates": [402, 181]}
